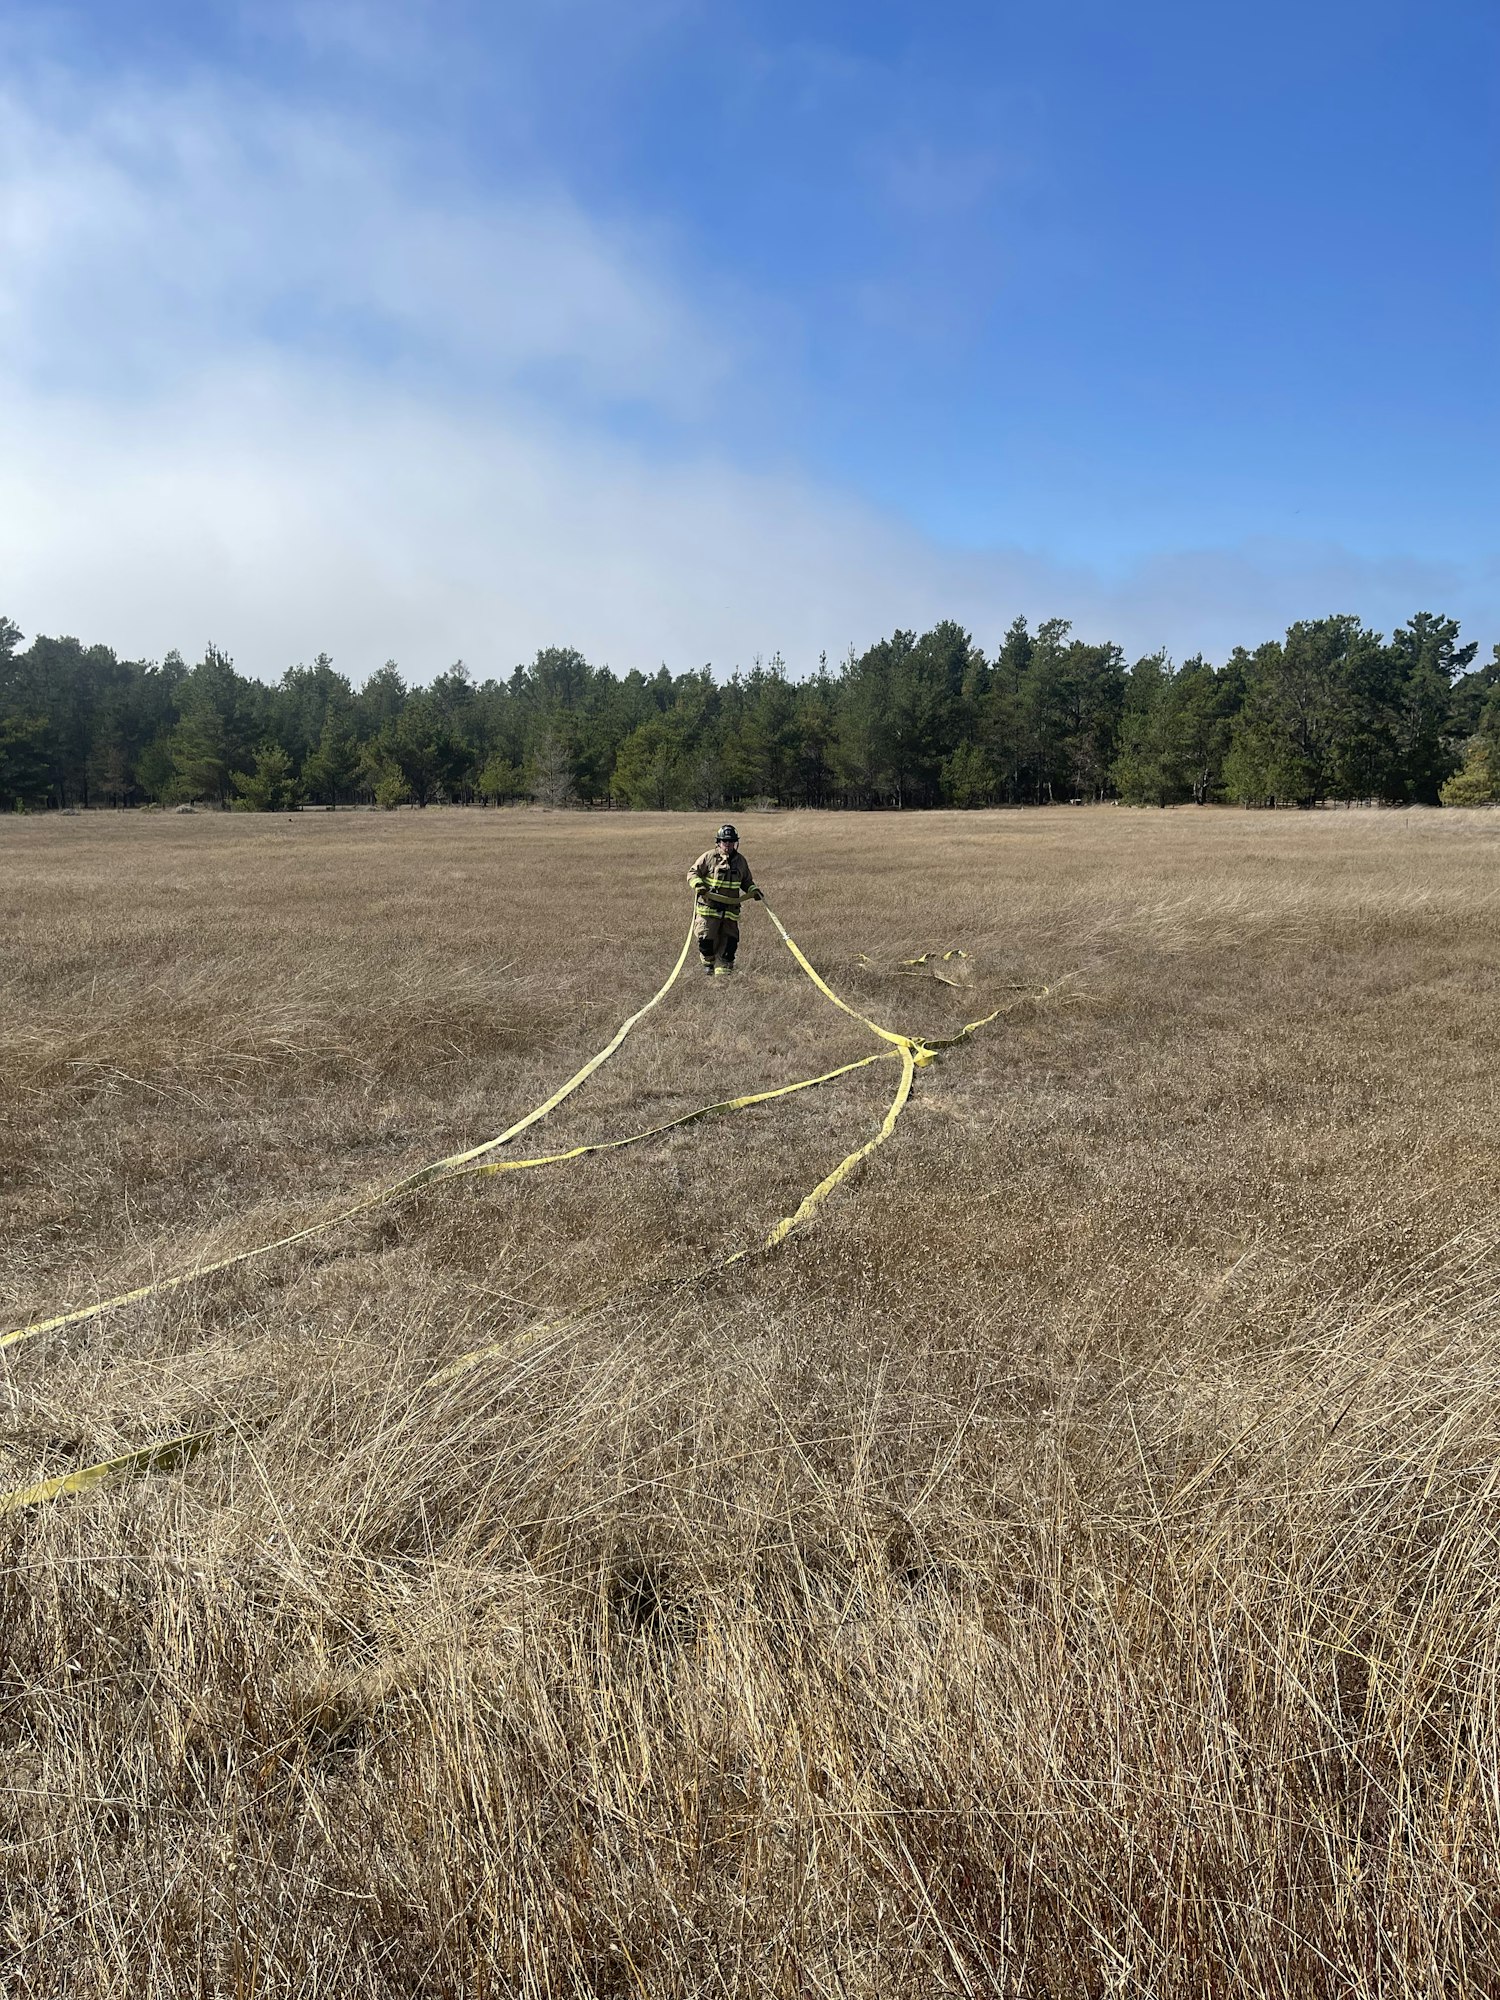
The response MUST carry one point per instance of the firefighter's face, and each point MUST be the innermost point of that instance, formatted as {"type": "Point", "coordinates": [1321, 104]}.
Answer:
{"type": "Point", "coordinates": [726, 846]}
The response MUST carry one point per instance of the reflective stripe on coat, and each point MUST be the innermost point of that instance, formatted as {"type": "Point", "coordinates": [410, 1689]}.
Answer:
{"type": "Point", "coordinates": [718, 882]}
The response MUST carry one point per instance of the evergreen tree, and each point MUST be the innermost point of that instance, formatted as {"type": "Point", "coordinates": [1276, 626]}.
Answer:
{"type": "Point", "coordinates": [1247, 761]}
{"type": "Point", "coordinates": [1488, 731]}
{"type": "Point", "coordinates": [421, 748]}
{"type": "Point", "coordinates": [860, 751]}
{"type": "Point", "coordinates": [379, 703]}
{"type": "Point", "coordinates": [214, 732]}
{"type": "Point", "coordinates": [1365, 688]}
{"type": "Point", "coordinates": [1094, 686]}
{"type": "Point", "coordinates": [381, 776]}
{"type": "Point", "coordinates": [1207, 703]}
{"type": "Point", "coordinates": [500, 780]}
{"type": "Point", "coordinates": [25, 765]}
{"type": "Point", "coordinates": [1428, 654]}
{"type": "Point", "coordinates": [112, 755]}
{"type": "Point", "coordinates": [1153, 763]}
{"type": "Point", "coordinates": [1328, 711]}
{"type": "Point", "coordinates": [999, 718]}
{"type": "Point", "coordinates": [497, 725]}
{"type": "Point", "coordinates": [926, 676]}
{"type": "Point", "coordinates": [156, 767]}
{"type": "Point", "coordinates": [652, 771]}
{"type": "Point", "coordinates": [64, 685]}
{"type": "Point", "coordinates": [271, 786]}
{"type": "Point", "coordinates": [1470, 693]}
{"type": "Point", "coordinates": [817, 728]}
{"type": "Point", "coordinates": [304, 698]}
{"type": "Point", "coordinates": [158, 705]}
{"type": "Point", "coordinates": [969, 776]}
{"type": "Point", "coordinates": [332, 769]}
{"type": "Point", "coordinates": [1286, 738]}
{"type": "Point", "coordinates": [1478, 782]}
{"type": "Point", "coordinates": [1044, 707]}
{"type": "Point", "coordinates": [200, 753]}
{"type": "Point", "coordinates": [768, 732]}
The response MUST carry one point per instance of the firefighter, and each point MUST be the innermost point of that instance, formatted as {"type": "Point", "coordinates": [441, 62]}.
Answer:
{"type": "Point", "coordinates": [719, 879]}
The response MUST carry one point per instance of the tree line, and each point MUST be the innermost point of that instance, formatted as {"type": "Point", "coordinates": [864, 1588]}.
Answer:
{"type": "Point", "coordinates": [1332, 711]}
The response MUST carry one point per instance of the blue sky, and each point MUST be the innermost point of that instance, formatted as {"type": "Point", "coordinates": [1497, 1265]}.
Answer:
{"type": "Point", "coordinates": [695, 332]}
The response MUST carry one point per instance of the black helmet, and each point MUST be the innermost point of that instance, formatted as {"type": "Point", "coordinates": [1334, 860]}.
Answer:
{"type": "Point", "coordinates": [726, 832]}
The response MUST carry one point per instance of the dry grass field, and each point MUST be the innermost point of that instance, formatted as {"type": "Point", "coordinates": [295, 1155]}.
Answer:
{"type": "Point", "coordinates": [1070, 1567]}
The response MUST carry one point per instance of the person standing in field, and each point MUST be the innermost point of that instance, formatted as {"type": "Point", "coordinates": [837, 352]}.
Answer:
{"type": "Point", "coordinates": [719, 879]}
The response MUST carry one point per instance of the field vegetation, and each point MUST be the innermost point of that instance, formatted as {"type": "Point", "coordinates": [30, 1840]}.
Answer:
{"type": "Point", "coordinates": [1070, 1567]}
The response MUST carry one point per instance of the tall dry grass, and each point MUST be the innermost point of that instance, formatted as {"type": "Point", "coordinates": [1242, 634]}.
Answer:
{"type": "Point", "coordinates": [1069, 1569]}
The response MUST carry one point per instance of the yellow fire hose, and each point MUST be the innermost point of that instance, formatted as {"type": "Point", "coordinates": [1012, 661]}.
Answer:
{"type": "Point", "coordinates": [914, 1051]}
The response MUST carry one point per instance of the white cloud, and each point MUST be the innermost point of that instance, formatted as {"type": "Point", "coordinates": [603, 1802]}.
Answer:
{"type": "Point", "coordinates": [263, 384]}
{"type": "Point", "coordinates": [280, 515]}
{"type": "Point", "coordinates": [154, 231]}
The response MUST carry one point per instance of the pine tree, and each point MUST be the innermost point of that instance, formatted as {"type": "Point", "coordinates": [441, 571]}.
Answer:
{"type": "Point", "coordinates": [1478, 782]}
{"type": "Point", "coordinates": [861, 746]}
{"type": "Point", "coordinates": [1207, 704]}
{"type": "Point", "coordinates": [1471, 692]}
{"type": "Point", "coordinates": [500, 780]}
{"type": "Point", "coordinates": [305, 698]}
{"type": "Point", "coordinates": [212, 736]}
{"type": "Point", "coordinates": [768, 732]}
{"type": "Point", "coordinates": [1286, 736]}
{"type": "Point", "coordinates": [817, 724]}
{"type": "Point", "coordinates": [156, 767]}
{"type": "Point", "coordinates": [330, 772]}
{"type": "Point", "coordinates": [382, 777]}
{"type": "Point", "coordinates": [1152, 767]}
{"type": "Point", "coordinates": [969, 776]}
{"type": "Point", "coordinates": [1042, 715]}
{"type": "Point", "coordinates": [271, 786]}
{"type": "Point", "coordinates": [652, 771]}
{"type": "Point", "coordinates": [379, 703]}
{"type": "Point", "coordinates": [1365, 686]}
{"type": "Point", "coordinates": [1428, 655]}
{"type": "Point", "coordinates": [425, 751]}
{"type": "Point", "coordinates": [998, 725]}
{"type": "Point", "coordinates": [200, 754]}
{"type": "Point", "coordinates": [25, 764]}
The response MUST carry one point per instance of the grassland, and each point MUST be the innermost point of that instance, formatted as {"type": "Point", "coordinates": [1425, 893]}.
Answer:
{"type": "Point", "coordinates": [1070, 1568]}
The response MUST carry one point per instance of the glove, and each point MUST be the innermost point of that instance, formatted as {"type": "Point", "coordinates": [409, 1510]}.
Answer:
{"type": "Point", "coordinates": [756, 896]}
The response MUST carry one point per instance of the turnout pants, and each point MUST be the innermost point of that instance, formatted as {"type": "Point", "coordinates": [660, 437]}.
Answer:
{"type": "Point", "coordinates": [718, 937]}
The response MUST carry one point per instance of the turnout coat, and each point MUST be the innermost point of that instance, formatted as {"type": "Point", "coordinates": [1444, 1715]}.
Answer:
{"type": "Point", "coordinates": [718, 882]}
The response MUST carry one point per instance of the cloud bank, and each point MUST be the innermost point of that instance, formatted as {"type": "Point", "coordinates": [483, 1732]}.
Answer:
{"type": "Point", "coordinates": [268, 381]}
